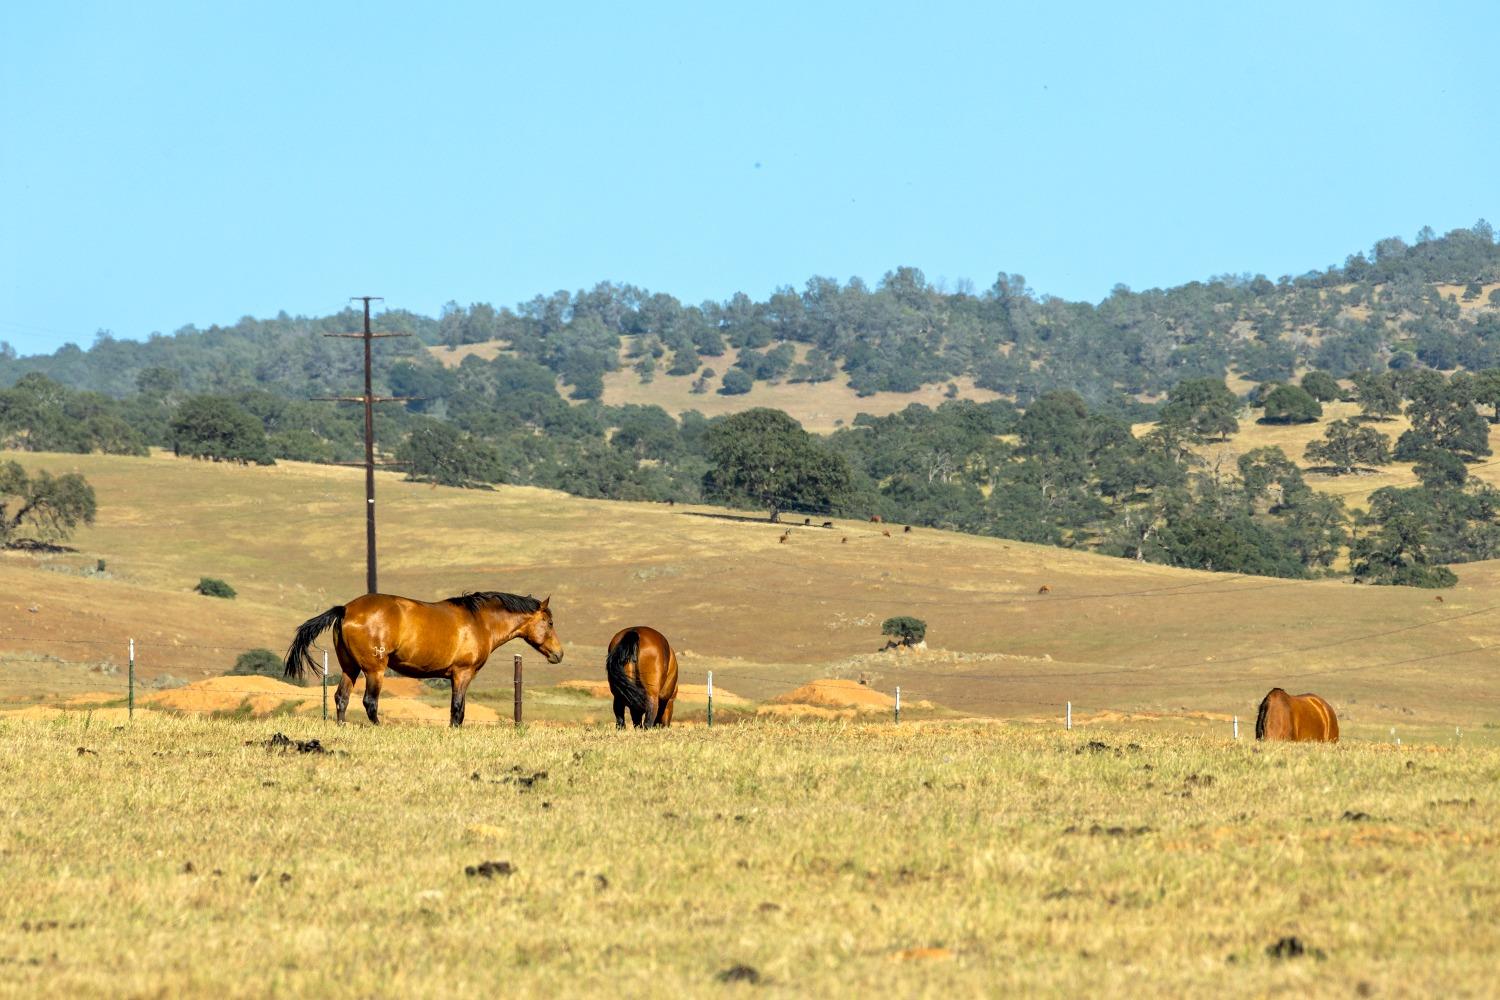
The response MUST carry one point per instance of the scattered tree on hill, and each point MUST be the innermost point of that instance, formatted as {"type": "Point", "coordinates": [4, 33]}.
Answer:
{"type": "Point", "coordinates": [1202, 409]}
{"type": "Point", "coordinates": [1346, 445]}
{"type": "Point", "coordinates": [1322, 386]}
{"type": "Point", "coordinates": [1377, 395]}
{"type": "Point", "coordinates": [219, 429]}
{"type": "Point", "coordinates": [42, 508]}
{"type": "Point", "coordinates": [1287, 404]}
{"type": "Point", "coordinates": [1442, 418]}
{"type": "Point", "coordinates": [737, 382]}
{"type": "Point", "coordinates": [437, 452]}
{"type": "Point", "coordinates": [904, 629]}
{"type": "Point", "coordinates": [764, 458]}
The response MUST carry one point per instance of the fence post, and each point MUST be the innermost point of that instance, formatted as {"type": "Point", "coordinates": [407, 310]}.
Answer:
{"type": "Point", "coordinates": [1068, 724]}
{"type": "Point", "coordinates": [898, 704]}
{"type": "Point", "coordinates": [130, 697]}
{"type": "Point", "coordinates": [325, 685]}
{"type": "Point", "coordinates": [1236, 727]}
{"type": "Point", "coordinates": [518, 690]}
{"type": "Point", "coordinates": [710, 697]}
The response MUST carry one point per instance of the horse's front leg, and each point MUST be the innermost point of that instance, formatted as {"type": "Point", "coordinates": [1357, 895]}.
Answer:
{"type": "Point", "coordinates": [461, 678]}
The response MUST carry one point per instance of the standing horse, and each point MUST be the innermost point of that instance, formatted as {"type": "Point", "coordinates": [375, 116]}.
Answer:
{"type": "Point", "coordinates": [1296, 717]}
{"type": "Point", "coordinates": [642, 671]}
{"type": "Point", "coordinates": [452, 639]}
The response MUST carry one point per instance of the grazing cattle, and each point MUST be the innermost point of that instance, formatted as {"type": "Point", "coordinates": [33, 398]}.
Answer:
{"type": "Point", "coordinates": [906, 530]}
{"type": "Point", "coordinates": [642, 671]}
{"type": "Point", "coordinates": [1438, 598]}
{"type": "Point", "coordinates": [807, 522]}
{"type": "Point", "coordinates": [452, 639]}
{"type": "Point", "coordinates": [827, 524]}
{"type": "Point", "coordinates": [844, 540]}
{"type": "Point", "coordinates": [875, 518]}
{"type": "Point", "coordinates": [886, 533]}
{"type": "Point", "coordinates": [1045, 588]}
{"type": "Point", "coordinates": [1296, 717]}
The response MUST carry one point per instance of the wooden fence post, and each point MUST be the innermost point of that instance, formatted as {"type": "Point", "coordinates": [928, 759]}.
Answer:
{"type": "Point", "coordinates": [710, 698]}
{"type": "Point", "coordinates": [518, 690]}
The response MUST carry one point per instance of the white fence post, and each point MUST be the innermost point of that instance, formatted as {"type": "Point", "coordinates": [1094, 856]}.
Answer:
{"type": "Point", "coordinates": [1069, 723]}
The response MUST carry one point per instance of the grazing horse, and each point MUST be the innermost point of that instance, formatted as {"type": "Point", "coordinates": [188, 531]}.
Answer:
{"type": "Point", "coordinates": [452, 639]}
{"type": "Point", "coordinates": [642, 671]}
{"type": "Point", "coordinates": [1296, 717]}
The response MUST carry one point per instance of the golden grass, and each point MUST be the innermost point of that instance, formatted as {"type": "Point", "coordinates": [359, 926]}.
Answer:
{"type": "Point", "coordinates": [181, 857]}
{"type": "Point", "coordinates": [763, 615]}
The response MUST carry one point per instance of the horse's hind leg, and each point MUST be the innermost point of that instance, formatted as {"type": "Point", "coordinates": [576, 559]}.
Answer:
{"type": "Point", "coordinates": [635, 716]}
{"type": "Point", "coordinates": [651, 711]}
{"type": "Point", "coordinates": [349, 674]}
{"type": "Point", "coordinates": [665, 719]}
{"type": "Point", "coordinates": [619, 713]}
{"type": "Point", "coordinates": [373, 679]}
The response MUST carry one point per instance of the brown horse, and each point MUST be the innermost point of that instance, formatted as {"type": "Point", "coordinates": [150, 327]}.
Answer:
{"type": "Point", "coordinates": [1296, 717]}
{"type": "Point", "coordinates": [642, 672]}
{"type": "Point", "coordinates": [452, 639]}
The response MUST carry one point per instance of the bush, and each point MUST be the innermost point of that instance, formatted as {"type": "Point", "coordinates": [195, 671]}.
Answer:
{"type": "Point", "coordinates": [209, 587]}
{"type": "Point", "coordinates": [737, 382]}
{"type": "Point", "coordinates": [905, 629]}
{"type": "Point", "coordinates": [257, 663]}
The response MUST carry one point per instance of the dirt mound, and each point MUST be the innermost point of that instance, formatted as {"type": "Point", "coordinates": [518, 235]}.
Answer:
{"type": "Point", "coordinates": [226, 694]}
{"type": "Point", "coordinates": [594, 689]}
{"type": "Point", "coordinates": [392, 686]}
{"type": "Point", "coordinates": [832, 693]}
{"type": "Point", "coordinates": [91, 698]}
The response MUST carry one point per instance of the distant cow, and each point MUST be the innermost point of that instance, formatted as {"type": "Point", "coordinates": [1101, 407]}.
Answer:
{"type": "Point", "coordinates": [827, 524]}
{"type": "Point", "coordinates": [906, 530]}
{"type": "Point", "coordinates": [875, 519]}
{"type": "Point", "coordinates": [1045, 588]}
{"type": "Point", "coordinates": [886, 533]}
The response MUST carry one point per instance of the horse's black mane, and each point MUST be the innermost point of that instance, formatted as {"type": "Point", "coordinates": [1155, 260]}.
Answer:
{"type": "Point", "coordinates": [472, 602]}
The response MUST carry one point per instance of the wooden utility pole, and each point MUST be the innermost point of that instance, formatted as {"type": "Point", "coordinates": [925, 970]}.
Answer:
{"type": "Point", "coordinates": [369, 399]}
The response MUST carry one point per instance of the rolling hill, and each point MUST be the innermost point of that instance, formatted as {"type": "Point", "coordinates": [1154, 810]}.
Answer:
{"type": "Point", "coordinates": [764, 615]}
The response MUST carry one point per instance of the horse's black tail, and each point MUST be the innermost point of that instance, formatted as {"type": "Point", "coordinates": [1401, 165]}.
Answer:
{"type": "Point", "coordinates": [624, 682]}
{"type": "Point", "coordinates": [297, 657]}
{"type": "Point", "coordinates": [1260, 719]}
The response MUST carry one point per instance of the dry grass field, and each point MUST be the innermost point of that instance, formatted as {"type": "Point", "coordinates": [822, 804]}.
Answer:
{"type": "Point", "coordinates": [182, 857]}
{"type": "Point", "coordinates": [1112, 636]}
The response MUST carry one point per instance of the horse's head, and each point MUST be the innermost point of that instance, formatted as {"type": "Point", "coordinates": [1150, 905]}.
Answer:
{"type": "Point", "coordinates": [540, 635]}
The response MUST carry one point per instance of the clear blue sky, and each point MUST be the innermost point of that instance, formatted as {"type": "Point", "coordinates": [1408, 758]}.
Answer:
{"type": "Point", "coordinates": [164, 164]}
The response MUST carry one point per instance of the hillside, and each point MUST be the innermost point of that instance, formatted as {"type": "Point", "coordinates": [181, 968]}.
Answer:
{"type": "Point", "coordinates": [763, 614]}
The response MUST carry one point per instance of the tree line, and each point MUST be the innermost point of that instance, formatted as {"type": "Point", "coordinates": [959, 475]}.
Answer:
{"type": "Point", "coordinates": [1056, 472]}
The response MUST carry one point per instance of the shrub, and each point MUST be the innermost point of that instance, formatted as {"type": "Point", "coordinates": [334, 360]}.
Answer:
{"type": "Point", "coordinates": [905, 629]}
{"type": "Point", "coordinates": [209, 587]}
{"type": "Point", "coordinates": [257, 663]}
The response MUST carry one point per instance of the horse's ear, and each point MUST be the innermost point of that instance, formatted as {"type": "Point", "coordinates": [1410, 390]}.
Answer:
{"type": "Point", "coordinates": [543, 605]}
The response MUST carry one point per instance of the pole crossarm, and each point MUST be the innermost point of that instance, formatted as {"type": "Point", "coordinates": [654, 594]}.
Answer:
{"type": "Point", "coordinates": [371, 336]}
{"type": "Point", "coordinates": [373, 399]}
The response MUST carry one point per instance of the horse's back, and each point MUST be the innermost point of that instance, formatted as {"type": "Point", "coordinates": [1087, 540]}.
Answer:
{"type": "Point", "coordinates": [419, 636]}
